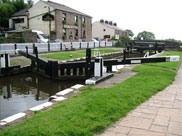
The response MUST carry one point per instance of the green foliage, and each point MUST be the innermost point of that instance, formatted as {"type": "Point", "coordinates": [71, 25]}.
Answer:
{"type": "Point", "coordinates": [113, 38]}
{"type": "Point", "coordinates": [22, 40]}
{"type": "Point", "coordinates": [64, 37]}
{"type": "Point", "coordinates": [146, 36]}
{"type": "Point", "coordinates": [2, 39]}
{"type": "Point", "coordinates": [84, 25]}
{"type": "Point", "coordinates": [64, 22]}
{"type": "Point", "coordinates": [12, 36]}
{"type": "Point", "coordinates": [130, 33]}
{"type": "Point", "coordinates": [94, 109]}
{"type": "Point", "coordinates": [173, 40]}
{"type": "Point", "coordinates": [119, 42]}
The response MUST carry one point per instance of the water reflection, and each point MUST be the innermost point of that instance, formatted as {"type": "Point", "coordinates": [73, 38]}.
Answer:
{"type": "Point", "coordinates": [19, 93]}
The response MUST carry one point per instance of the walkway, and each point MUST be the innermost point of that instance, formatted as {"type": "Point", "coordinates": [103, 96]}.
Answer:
{"type": "Point", "coordinates": [161, 115]}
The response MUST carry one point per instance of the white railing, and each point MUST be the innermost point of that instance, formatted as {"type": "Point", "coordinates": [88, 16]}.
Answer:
{"type": "Point", "coordinates": [52, 47]}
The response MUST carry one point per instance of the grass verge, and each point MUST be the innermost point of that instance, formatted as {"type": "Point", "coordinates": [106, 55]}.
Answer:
{"type": "Point", "coordinates": [95, 108]}
{"type": "Point", "coordinates": [75, 54]}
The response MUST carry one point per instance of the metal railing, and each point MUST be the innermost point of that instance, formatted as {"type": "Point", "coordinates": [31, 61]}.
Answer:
{"type": "Point", "coordinates": [51, 47]}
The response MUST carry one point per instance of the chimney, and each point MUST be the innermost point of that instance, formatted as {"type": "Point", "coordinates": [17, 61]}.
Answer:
{"type": "Point", "coordinates": [110, 22]}
{"type": "Point", "coordinates": [102, 20]}
{"type": "Point", "coordinates": [115, 24]}
{"type": "Point", "coordinates": [106, 22]}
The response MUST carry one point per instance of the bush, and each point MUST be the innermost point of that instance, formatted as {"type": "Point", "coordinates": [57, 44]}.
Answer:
{"type": "Point", "coordinates": [2, 39]}
{"type": "Point", "coordinates": [22, 40]}
{"type": "Point", "coordinates": [12, 36]}
{"type": "Point", "coordinates": [119, 43]}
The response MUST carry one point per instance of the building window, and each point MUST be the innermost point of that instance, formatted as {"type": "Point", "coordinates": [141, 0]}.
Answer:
{"type": "Point", "coordinates": [70, 37]}
{"type": "Point", "coordinates": [76, 32]}
{"type": "Point", "coordinates": [76, 19]}
{"type": "Point", "coordinates": [64, 17]}
{"type": "Point", "coordinates": [64, 31]}
{"type": "Point", "coordinates": [84, 34]}
{"type": "Point", "coordinates": [83, 20]}
{"type": "Point", "coordinates": [18, 20]}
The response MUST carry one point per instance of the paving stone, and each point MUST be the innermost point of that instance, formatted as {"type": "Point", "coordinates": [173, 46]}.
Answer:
{"type": "Point", "coordinates": [119, 129]}
{"type": "Point", "coordinates": [175, 128]}
{"type": "Point", "coordinates": [177, 104]}
{"type": "Point", "coordinates": [161, 120]}
{"type": "Point", "coordinates": [158, 128]}
{"type": "Point", "coordinates": [136, 122]}
{"type": "Point", "coordinates": [140, 132]}
{"type": "Point", "coordinates": [111, 134]}
{"type": "Point", "coordinates": [147, 115]}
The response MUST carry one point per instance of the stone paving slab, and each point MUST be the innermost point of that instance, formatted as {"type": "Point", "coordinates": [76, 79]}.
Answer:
{"type": "Point", "coordinates": [161, 115]}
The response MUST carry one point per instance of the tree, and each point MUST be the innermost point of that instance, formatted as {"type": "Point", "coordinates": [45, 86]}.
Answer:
{"type": "Point", "coordinates": [145, 36]}
{"type": "Point", "coordinates": [130, 33]}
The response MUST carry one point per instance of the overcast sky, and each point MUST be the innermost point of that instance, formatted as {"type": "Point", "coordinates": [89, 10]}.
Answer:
{"type": "Point", "coordinates": [162, 17]}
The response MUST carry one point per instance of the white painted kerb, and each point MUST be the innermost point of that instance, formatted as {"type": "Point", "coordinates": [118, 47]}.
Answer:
{"type": "Point", "coordinates": [12, 118]}
{"type": "Point", "coordinates": [40, 107]}
{"type": "Point", "coordinates": [64, 92]}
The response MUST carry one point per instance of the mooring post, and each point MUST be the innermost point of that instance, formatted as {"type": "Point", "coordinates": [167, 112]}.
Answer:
{"type": "Point", "coordinates": [15, 48]}
{"type": "Point", "coordinates": [94, 44]}
{"type": "Point", "coordinates": [26, 51]}
{"type": "Point", "coordinates": [7, 60]}
{"type": "Point", "coordinates": [88, 63]}
{"type": "Point", "coordinates": [37, 57]}
{"type": "Point", "coordinates": [33, 48]}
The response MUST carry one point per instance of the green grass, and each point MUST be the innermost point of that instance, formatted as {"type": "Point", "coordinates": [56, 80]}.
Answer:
{"type": "Point", "coordinates": [95, 109]}
{"type": "Point", "coordinates": [169, 65]}
{"type": "Point", "coordinates": [75, 54]}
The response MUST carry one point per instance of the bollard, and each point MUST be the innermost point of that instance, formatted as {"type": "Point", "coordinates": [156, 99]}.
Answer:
{"type": "Point", "coordinates": [5, 60]}
{"type": "Point", "coordinates": [98, 67]}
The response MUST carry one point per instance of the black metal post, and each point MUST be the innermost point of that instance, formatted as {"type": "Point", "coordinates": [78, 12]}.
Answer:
{"type": "Point", "coordinates": [88, 63]}
{"type": "Point", "coordinates": [61, 46]}
{"type": "Point", "coordinates": [80, 45]}
{"type": "Point", "coordinates": [6, 61]}
{"type": "Point", "coordinates": [15, 47]}
{"type": "Point", "coordinates": [48, 46]}
{"type": "Point", "coordinates": [26, 51]}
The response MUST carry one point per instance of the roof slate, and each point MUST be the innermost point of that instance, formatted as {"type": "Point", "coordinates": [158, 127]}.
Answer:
{"type": "Point", "coordinates": [64, 8]}
{"type": "Point", "coordinates": [23, 12]}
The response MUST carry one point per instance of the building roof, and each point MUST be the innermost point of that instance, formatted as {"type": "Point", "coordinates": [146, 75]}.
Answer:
{"type": "Point", "coordinates": [110, 26]}
{"type": "Point", "coordinates": [64, 8]}
{"type": "Point", "coordinates": [23, 12]}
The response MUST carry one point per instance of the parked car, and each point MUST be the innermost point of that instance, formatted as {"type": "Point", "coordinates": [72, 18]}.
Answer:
{"type": "Point", "coordinates": [94, 40]}
{"type": "Point", "coordinates": [41, 37]}
{"type": "Point", "coordinates": [56, 41]}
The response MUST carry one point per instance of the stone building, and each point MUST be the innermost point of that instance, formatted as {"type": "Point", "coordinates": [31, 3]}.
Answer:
{"type": "Point", "coordinates": [66, 23]}
{"type": "Point", "coordinates": [106, 29]}
{"type": "Point", "coordinates": [19, 20]}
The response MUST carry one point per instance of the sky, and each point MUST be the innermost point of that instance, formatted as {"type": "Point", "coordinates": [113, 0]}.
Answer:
{"type": "Point", "coordinates": [162, 17]}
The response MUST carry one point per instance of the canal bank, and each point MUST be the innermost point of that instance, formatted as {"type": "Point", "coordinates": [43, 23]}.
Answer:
{"type": "Point", "coordinates": [94, 109]}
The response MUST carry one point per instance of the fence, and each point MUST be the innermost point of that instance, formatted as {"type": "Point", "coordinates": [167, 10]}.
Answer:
{"type": "Point", "coordinates": [51, 47]}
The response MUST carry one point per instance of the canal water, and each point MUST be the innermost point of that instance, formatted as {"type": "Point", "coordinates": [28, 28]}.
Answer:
{"type": "Point", "coordinates": [21, 92]}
